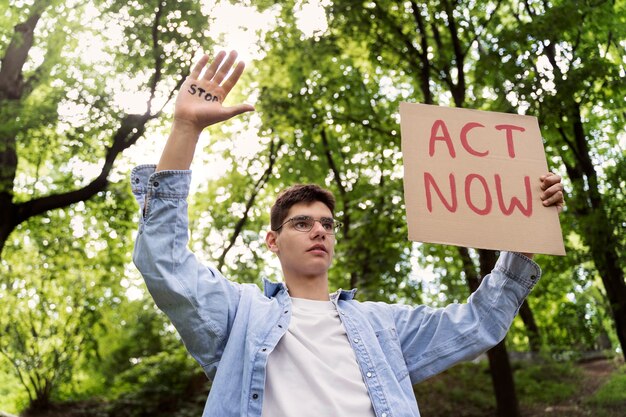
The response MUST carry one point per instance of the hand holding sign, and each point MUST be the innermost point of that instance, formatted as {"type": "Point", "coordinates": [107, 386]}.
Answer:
{"type": "Point", "coordinates": [552, 191]}
{"type": "Point", "coordinates": [472, 179]}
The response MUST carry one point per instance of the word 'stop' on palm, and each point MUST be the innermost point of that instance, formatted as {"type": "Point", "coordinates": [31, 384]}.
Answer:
{"type": "Point", "coordinates": [200, 98]}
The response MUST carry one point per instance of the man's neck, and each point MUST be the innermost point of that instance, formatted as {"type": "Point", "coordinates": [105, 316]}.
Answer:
{"type": "Point", "coordinates": [309, 288]}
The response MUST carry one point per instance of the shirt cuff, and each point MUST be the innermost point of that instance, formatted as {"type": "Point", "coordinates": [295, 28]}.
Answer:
{"type": "Point", "coordinates": [166, 184]}
{"type": "Point", "coordinates": [519, 268]}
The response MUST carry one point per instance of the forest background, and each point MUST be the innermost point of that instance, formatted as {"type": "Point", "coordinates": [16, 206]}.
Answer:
{"type": "Point", "coordinates": [86, 92]}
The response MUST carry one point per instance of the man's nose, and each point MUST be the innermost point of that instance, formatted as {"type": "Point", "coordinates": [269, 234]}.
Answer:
{"type": "Point", "coordinates": [318, 230]}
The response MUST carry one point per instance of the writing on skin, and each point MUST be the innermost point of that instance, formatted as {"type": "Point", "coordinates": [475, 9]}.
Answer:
{"type": "Point", "coordinates": [439, 133]}
{"type": "Point", "coordinates": [194, 89]}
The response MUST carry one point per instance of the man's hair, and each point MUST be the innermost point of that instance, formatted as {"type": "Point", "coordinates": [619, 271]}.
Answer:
{"type": "Point", "coordinates": [299, 193]}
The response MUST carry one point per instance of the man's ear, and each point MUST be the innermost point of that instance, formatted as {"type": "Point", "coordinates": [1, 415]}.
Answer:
{"type": "Point", "coordinates": [270, 240]}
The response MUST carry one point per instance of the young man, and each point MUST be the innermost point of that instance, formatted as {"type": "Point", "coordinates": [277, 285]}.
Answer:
{"type": "Point", "coordinates": [293, 349]}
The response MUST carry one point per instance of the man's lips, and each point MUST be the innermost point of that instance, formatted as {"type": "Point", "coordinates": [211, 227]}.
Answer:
{"type": "Point", "coordinates": [317, 247]}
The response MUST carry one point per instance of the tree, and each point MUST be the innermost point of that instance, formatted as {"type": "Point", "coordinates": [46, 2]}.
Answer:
{"type": "Point", "coordinates": [65, 214]}
{"type": "Point", "coordinates": [568, 70]}
{"type": "Point", "coordinates": [435, 42]}
{"type": "Point", "coordinates": [55, 281]}
{"type": "Point", "coordinates": [40, 140]}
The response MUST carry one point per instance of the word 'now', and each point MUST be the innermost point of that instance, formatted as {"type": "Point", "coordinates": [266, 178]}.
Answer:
{"type": "Point", "coordinates": [479, 203]}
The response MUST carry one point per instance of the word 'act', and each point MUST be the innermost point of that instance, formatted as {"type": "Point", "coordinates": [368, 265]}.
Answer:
{"type": "Point", "coordinates": [440, 126]}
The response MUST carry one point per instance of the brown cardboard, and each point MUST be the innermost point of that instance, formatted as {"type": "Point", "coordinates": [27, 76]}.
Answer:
{"type": "Point", "coordinates": [489, 158]}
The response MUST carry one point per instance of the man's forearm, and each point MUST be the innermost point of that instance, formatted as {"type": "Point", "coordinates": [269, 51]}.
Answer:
{"type": "Point", "coordinates": [180, 147]}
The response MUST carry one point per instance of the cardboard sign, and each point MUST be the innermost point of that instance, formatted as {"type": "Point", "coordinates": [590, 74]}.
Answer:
{"type": "Point", "coordinates": [471, 178]}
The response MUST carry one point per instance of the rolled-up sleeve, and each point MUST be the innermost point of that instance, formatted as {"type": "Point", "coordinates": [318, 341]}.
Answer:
{"type": "Point", "coordinates": [199, 301]}
{"type": "Point", "coordinates": [433, 340]}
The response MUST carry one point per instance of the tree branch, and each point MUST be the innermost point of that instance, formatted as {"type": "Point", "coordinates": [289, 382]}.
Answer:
{"type": "Point", "coordinates": [11, 76]}
{"type": "Point", "coordinates": [258, 186]}
{"type": "Point", "coordinates": [426, 64]}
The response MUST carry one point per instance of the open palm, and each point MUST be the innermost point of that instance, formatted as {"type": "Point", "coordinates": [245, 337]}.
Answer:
{"type": "Point", "coordinates": [200, 98]}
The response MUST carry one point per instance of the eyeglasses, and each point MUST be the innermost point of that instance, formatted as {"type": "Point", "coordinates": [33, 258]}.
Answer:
{"type": "Point", "coordinates": [306, 223]}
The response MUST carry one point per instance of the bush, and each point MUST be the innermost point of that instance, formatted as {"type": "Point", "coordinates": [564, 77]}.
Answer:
{"type": "Point", "coordinates": [547, 382]}
{"type": "Point", "coordinates": [158, 385]}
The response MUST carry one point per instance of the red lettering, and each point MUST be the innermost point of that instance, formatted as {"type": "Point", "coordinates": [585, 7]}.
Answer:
{"type": "Point", "coordinates": [445, 137]}
{"type": "Point", "coordinates": [466, 128]}
{"type": "Point", "coordinates": [468, 194]}
{"type": "Point", "coordinates": [509, 136]}
{"type": "Point", "coordinates": [429, 182]}
{"type": "Point", "coordinates": [515, 202]}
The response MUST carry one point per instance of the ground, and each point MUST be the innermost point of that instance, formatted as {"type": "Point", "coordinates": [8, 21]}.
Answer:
{"type": "Point", "coordinates": [544, 390]}
{"type": "Point", "coordinates": [595, 374]}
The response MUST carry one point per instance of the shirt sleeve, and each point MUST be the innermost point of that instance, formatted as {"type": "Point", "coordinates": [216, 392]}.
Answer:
{"type": "Point", "coordinates": [433, 340]}
{"type": "Point", "coordinates": [199, 301]}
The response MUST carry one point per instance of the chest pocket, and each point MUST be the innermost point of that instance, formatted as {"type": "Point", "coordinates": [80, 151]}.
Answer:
{"type": "Point", "coordinates": [390, 345]}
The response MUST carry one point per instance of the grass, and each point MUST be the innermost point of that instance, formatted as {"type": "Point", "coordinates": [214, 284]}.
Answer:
{"type": "Point", "coordinates": [610, 399]}
{"type": "Point", "coordinates": [547, 383]}
{"type": "Point", "coordinates": [467, 391]}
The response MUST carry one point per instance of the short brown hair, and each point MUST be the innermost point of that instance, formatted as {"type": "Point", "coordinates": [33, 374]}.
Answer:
{"type": "Point", "coordinates": [299, 193]}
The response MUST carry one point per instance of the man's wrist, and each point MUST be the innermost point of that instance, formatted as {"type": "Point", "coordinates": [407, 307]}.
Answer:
{"type": "Point", "coordinates": [180, 146]}
{"type": "Point", "coordinates": [185, 130]}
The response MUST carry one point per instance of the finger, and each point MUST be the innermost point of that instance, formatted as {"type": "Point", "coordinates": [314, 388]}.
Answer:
{"type": "Point", "coordinates": [549, 180]}
{"type": "Point", "coordinates": [233, 77]}
{"type": "Point", "coordinates": [237, 110]}
{"type": "Point", "coordinates": [555, 188]}
{"type": "Point", "coordinates": [210, 71]}
{"type": "Point", "coordinates": [225, 68]}
{"type": "Point", "coordinates": [197, 69]}
{"type": "Point", "coordinates": [555, 199]}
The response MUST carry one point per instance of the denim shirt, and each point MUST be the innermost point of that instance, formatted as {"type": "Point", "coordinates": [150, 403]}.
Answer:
{"type": "Point", "coordinates": [232, 328]}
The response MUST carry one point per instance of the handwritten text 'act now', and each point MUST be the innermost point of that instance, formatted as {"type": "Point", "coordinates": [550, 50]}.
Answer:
{"type": "Point", "coordinates": [439, 132]}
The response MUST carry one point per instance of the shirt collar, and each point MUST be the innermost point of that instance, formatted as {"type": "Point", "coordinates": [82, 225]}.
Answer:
{"type": "Point", "coordinates": [271, 289]}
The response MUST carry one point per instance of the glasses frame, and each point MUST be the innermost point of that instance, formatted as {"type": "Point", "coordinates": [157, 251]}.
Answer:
{"type": "Point", "coordinates": [336, 224]}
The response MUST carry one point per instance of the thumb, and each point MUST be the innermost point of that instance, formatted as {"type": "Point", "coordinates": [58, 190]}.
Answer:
{"type": "Point", "coordinates": [238, 109]}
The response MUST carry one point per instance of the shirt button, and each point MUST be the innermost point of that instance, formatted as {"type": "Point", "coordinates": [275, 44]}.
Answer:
{"type": "Point", "coordinates": [369, 374]}
{"type": "Point", "coordinates": [356, 340]}
{"type": "Point", "coordinates": [383, 415]}
{"type": "Point", "coordinates": [533, 277]}
{"type": "Point", "coordinates": [255, 396]}
{"type": "Point", "coordinates": [156, 183]}
{"type": "Point", "coordinates": [137, 180]}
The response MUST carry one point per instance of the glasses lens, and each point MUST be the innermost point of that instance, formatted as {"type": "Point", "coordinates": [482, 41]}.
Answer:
{"type": "Point", "coordinates": [303, 224]}
{"type": "Point", "coordinates": [306, 223]}
{"type": "Point", "coordinates": [328, 225]}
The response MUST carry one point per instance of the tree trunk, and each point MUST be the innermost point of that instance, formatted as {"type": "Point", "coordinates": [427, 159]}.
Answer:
{"type": "Point", "coordinates": [499, 364]}
{"type": "Point", "coordinates": [503, 383]}
{"type": "Point", "coordinates": [597, 230]}
{"type": "Point", "coordinates": [532, 330]}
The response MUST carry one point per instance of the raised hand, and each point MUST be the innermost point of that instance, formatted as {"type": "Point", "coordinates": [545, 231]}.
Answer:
{"type": "Point", "coordinates": [198, 105]}
{"type": "Point", "coordinates": [199, 101]}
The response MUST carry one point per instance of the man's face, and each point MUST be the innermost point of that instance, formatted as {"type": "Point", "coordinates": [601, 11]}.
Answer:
{"type": "Point", "coordinates": [304, 254]}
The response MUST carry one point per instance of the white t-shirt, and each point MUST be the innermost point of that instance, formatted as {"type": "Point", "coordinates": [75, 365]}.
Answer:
{"type": "Point", "coordinates": [313, 370]}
